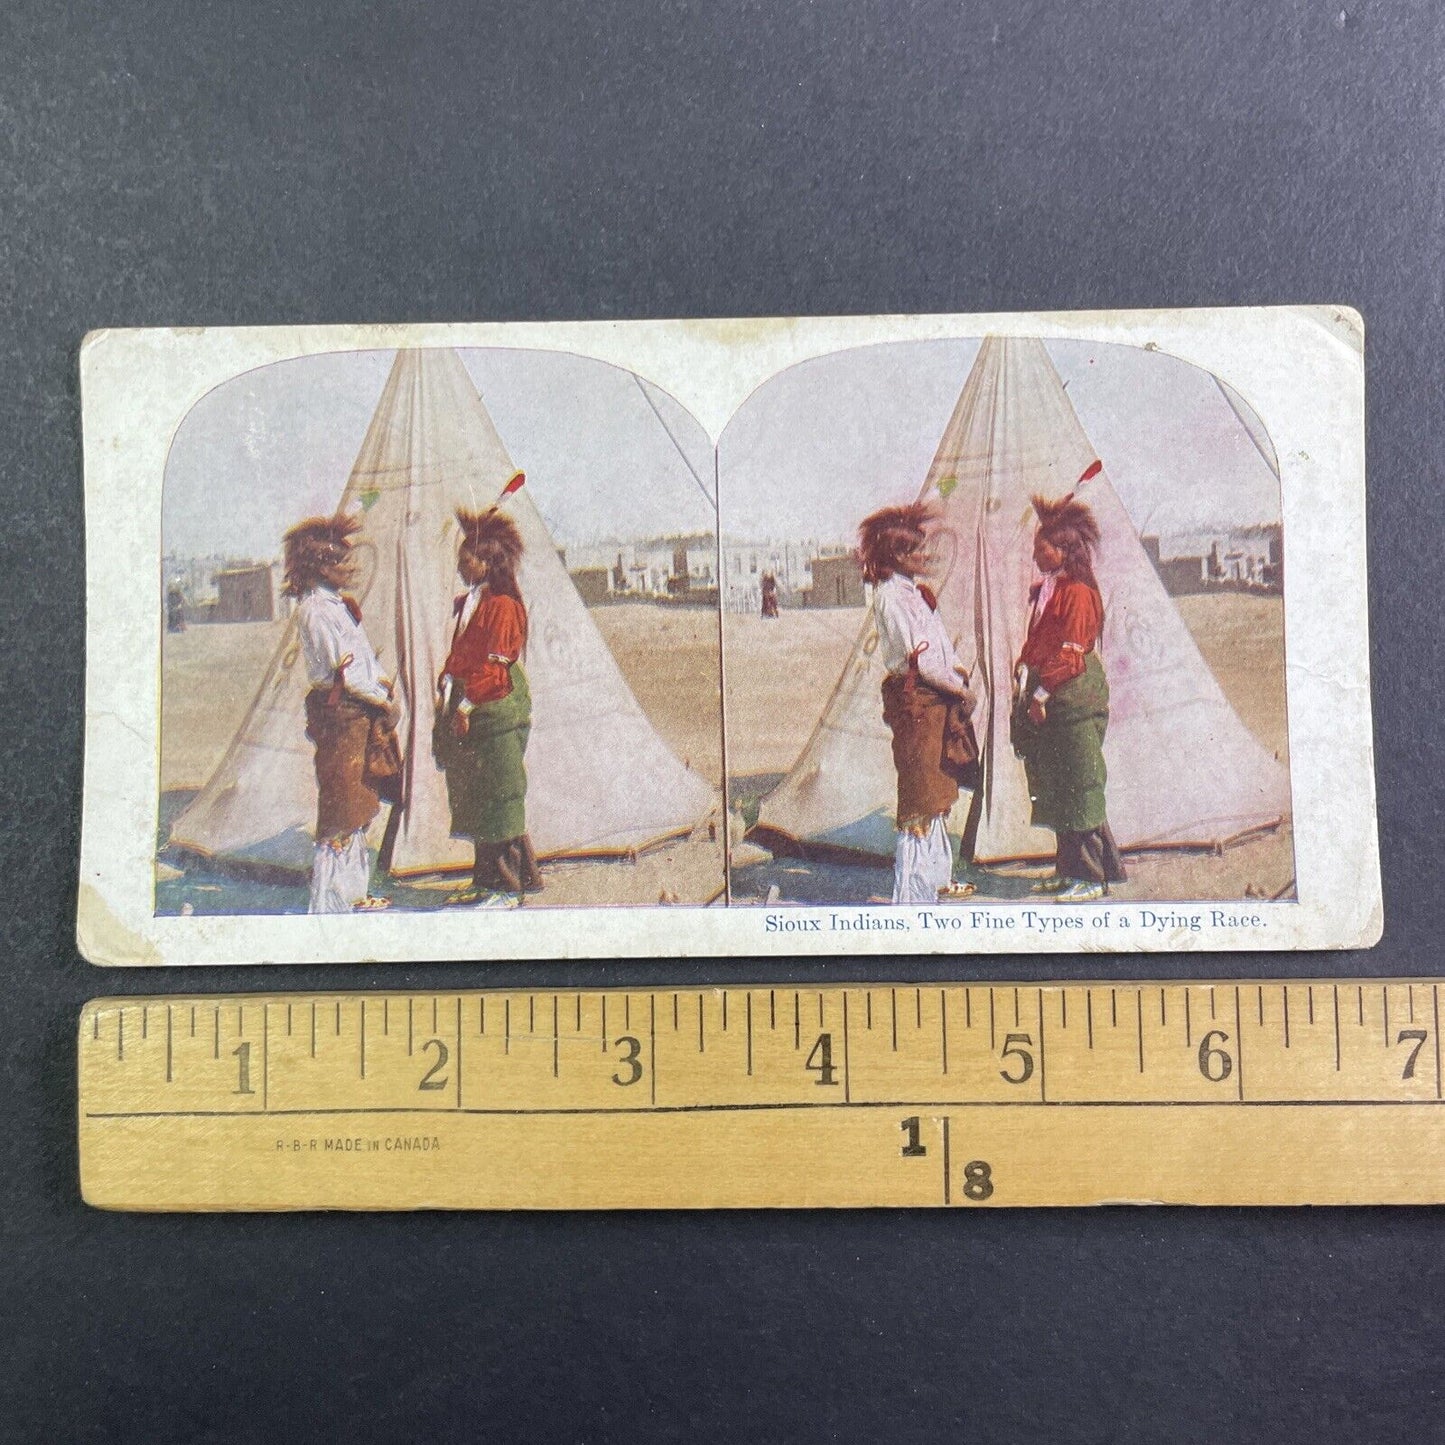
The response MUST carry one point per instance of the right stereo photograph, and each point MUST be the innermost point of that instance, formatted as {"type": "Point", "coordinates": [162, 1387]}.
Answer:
{"type": "Point", "coordinates": [1003, 619]}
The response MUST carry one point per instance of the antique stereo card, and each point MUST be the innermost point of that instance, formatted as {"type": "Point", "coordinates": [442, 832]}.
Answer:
{"type": "Point", "coordinates": [875, 635]}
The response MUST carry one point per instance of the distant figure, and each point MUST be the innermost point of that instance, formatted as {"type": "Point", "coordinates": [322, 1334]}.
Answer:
{"type": "Point", "coordinates": [926, 703]}
{"type": "Point", "coordinates": [484, 714]}
{"type": "Point", "coordinates": [350, 715]}
{"type": "Point", "coordinates": [175, 609]}
{"type": "Point", "coordinates": [1062, 709]}
{"type": "Point", "coordinates": [770, 595]}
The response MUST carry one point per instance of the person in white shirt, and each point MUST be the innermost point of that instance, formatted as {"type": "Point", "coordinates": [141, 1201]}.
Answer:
{"type": "Point", "coordinates": [926, 701]}
{"type": "Point", "coordinates": [347, 696]}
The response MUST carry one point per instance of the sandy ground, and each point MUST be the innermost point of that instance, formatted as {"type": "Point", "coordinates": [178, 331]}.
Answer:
{"type": "Point", "coordinates": [772, 665]}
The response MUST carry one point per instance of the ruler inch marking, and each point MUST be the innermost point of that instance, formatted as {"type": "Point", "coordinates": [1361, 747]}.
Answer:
{"type": "Point", "coordinates": [363, 1038]}
{"type": "Point", "coordinates": [1336, 991]}
{"type": "Point", "coordinates": [1139, 1016]}
{"type": "Point", "coordinates": [1284, 994]}
{"type": "Point", "coordinates": [942, 1024]}
{"type": "Point", "coordinates": [1089, 1013]}
{"type": "Point", "coordinates": [1188, 1021]}
{"type": "Point", "coordinates": [701, 1042]}
{"type": "Point", "coordinates": [652, 1045]}
{"type": "Point", "coordinates": [168, 1043]}
{"type": "Point", "coordinates": [556, 1044]}
{"type": "Point", "coordinates": [750, 1032]}
{"type": "Point", "coordinates": [1043, 1054]}
{"type": "Point", "coordinates": [1239, 1049]}
{"type": "Point", "coordinates": [1385, 1010]}
{"type": "Point", "coordinates": [1439, 1083]}
{"type": "Point", "coordinates": [459, 1051]}
{"type": "Point", "coordinates": [893, 995]}
{"type": "Point", "coordinates": [946, 1198]}
{"type": "Point", "coordinates": [266, 1057]}
{"type": "Point", "coordinates": [847, 1080]}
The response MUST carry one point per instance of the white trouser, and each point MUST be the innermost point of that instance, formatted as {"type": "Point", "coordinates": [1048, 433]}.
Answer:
{"type": "Point", "coordinates": [340, 873]}
{"type": "Point", "coordinates": [921, 866]}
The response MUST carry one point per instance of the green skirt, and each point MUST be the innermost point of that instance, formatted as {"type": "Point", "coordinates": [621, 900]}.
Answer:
{"type": "Point", "coordinates": [486, 776]}
{"type": "Point", "coordinates": [1064, 759]}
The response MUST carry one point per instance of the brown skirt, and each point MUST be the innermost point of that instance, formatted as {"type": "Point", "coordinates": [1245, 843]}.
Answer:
{"type": "Point", "coordinates": [344, 802]}
{"type": "Point", "coordinates": [916, 715]}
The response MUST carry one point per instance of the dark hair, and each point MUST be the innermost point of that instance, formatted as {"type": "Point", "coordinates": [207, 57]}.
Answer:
{"type": "Point", "coordinates": [494, 539]}
{"type": "Point", "coordinates": [888, 535]}
{"type": "Point", "coordinates": [315, 547]}
{"type": "Point", "coordinates": [1070, 526]}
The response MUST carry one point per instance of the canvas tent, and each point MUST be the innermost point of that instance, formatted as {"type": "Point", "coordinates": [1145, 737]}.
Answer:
{"type": "Point", "coordinates": [1183, 769]}
{"type": "Point", "coordinates": [601, 780]}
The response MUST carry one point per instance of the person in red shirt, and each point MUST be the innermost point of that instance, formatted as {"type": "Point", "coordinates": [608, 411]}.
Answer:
{"type": "Point", "coordinates": [484, 713]}
{"type": "Point", "coordinates": [1062, 709]}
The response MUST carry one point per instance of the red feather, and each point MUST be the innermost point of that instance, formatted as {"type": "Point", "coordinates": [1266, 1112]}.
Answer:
{"type": "Point", "coordinates": [1090, 472]}
{"type": "Point", "coordinates": [515, 485]}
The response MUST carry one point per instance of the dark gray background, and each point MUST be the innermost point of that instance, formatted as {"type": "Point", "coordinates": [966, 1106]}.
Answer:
{"type": "Point", "coordinates": [206, 163]}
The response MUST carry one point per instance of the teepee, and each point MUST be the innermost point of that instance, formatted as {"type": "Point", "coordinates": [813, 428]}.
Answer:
{"type": "Point", "coordinates": [1183, 770]}
{"type": "Point", "coordinates": [601, 781]}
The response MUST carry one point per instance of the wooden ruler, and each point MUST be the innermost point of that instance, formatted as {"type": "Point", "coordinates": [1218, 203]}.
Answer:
{"type": "Point", "coordinates": [948, 1095]}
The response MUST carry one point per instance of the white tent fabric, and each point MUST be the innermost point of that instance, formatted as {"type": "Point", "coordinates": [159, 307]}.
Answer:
{"type": "Point", "coordinates": [600, 779]}
{"type": "Point", "coordinates": [1183, 769]}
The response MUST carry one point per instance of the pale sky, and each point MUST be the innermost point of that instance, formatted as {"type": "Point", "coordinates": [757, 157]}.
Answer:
{"type": "Point", "coordinates": [819, 446]}
{"type": "Point", "coordinates": [277, 444]}
{"type": "Point", "coordinates": [808, 455]}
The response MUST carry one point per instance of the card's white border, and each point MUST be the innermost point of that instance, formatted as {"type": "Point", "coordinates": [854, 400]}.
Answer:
{"type": "Point", "coordinates": [1301, 369]}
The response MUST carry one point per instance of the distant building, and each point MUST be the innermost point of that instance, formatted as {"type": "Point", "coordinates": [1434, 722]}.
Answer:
{"type": "Point", "coordinates": [1249, 559]}
{"type": "Point", "coordinates": [243, 594]}
{"type": "Point", "coordinates": [593, 584]}
{"type": "Point", "coordinates": [837, 582]}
